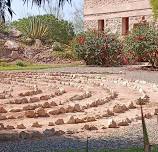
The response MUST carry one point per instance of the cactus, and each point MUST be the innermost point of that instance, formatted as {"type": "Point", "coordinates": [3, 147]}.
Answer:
{"type": "Point", "coordinates": [37, 30]}
{"type": "Point", "coordinates": [147, 147]}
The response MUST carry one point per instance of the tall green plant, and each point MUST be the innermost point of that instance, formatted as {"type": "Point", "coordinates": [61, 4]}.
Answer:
{"type": "Point", "coordinates": [154, 4]}
{"type": "Point", "coordinates": [36, 29]}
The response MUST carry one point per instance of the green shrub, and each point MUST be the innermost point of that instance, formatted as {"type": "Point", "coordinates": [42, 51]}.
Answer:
{"type": "Point", "coordinates": [20, 64]}
{"type": "Point", "coordinates": [142, 44]}
{"type": "Point", "coordinates": [3, 27]}
{"type": "Point", "coordinates": [99, 48]}
{"type": "Point", "coordinates": [58, 30]}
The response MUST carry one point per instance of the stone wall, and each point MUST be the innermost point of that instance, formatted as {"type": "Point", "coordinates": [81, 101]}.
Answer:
{"type": "Point", "coordinates": [112, 12]}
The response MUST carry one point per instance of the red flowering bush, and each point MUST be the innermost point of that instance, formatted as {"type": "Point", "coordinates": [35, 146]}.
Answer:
{"type": "Point", "coordinates": [142, 45]}
{"type": "Point", "coordinates": [99, 48]}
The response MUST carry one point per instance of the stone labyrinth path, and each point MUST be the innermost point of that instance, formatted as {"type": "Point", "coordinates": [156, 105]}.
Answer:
{"type": "Point", "coordinates": [35, 105]}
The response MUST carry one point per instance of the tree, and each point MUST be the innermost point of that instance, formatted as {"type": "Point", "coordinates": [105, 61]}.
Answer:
{"type": "Point", "coordinates": [54, 9]}
{"type": "Point", "coordinates": [154, 5]}
{"type": "Point", "coordinates": [77, 20]}
{"type": "Point", "coordinates": [5, 5]}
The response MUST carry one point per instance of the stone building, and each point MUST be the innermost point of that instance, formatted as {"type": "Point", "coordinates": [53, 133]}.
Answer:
{"type": "Point", "coordinates": [116, 15]}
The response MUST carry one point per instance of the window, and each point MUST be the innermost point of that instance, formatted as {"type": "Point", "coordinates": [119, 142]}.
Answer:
{"type": "Point", "coordinates": [100, 25]}
{"type": "Point", "coordinates": [125, 25]}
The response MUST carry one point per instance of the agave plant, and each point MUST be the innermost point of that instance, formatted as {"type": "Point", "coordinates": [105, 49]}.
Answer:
{"type": "Point", "coordinates": [36, 29]}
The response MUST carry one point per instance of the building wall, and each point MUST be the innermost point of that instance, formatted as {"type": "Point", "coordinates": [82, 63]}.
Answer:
{"type": "Point", "coordinates": [112, 12]}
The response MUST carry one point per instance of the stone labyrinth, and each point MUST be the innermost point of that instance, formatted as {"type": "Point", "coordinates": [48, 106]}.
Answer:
{"type": "Point", "coordinates": [35, 105]}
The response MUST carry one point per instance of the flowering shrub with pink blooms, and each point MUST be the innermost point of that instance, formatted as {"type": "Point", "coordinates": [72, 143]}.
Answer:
{"type": "Point", "coordinates": [100, 48]}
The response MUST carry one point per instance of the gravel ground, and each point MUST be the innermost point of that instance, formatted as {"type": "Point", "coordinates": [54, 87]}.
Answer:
{"type": "Point", "coordinates": [124, 137]}
{"type": "Point", "coordinates": [126, 72]}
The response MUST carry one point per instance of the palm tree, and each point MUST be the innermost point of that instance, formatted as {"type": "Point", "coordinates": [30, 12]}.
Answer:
{"type": "Point", "coordinates": [5, 5]}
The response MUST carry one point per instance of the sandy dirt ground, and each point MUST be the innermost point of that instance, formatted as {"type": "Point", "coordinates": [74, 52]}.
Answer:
{"type": "Point", "coordinates": [41, 105]}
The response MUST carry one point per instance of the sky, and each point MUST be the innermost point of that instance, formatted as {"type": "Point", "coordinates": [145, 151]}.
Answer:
{"type": "Point", "coordinates": [22, 10]}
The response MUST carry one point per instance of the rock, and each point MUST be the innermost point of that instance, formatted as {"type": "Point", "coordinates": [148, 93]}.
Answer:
{"type": "Point", "coordinates": [131, 106]}
{"type": "Point", "coordinates": [71, 120]}
{"type": "Point", "coordinates": [156, 112]}
{"type": "Point", "coordinates": [76, 97]}
{"type": "Point", "coordinates": [62, 110]}
{"type": "Point", "coordinates": [24, 135]}
{"type": "Point", "coordinates": [90, 127]}
{"type": "Point", "coordinates": [98, 116]}
{"type": "Point", "coordinates": [40, 112]}
{"type": "Point", "coordinates": [51, 124]}
{"type": "Point", "coordinates": [110, 113]}
{"type": "Point", "coordinates": [21, 126]}
{"type": "Point", "coordinates": [15, 110]}
{"type": "Point", "coordinates": [79, 120]}
{"type": "Point", "coordinates": [112, 124]}
{"type": "Point", "coordinates": [123, 123]}
{"type": "Point", "coordinates": [11, 45]}
{"type": "Point", "coordinates": [59, 133]}
{"type": "Point", "coordinates": [90, 119]}
{"type": "Point", "coordinates": [59, 122]}
{"type": "Point", "coordinates": [70, 132]}
{"type": "Point", "coordinates": [143, 100]}
{"type": "Point", "coordinates": [69, 109]}
{"type": "Point", "coordinates": [36, 125]}
{"type": "Point", "coordinates": [30, 107]}
{"type": "Point", "coordinates": [3, 117]}
{"type": "Point", "coordinates": [104, 127]}
{"type": "Point", "coordinates": [45, 97]}
{"type": "Point", "coordinates": [15, 33]}
{"type": "Point", "coordinates": [38, 43]}
{"type": "Point", "coordinates": [15, 55]}
{"type": "Point", "coordinates": [46, 105]}
{"type": "Point", "coordinates": [119, 109]}
{"type": "Point", "coordinates": [2, 126]}
{"type": "Point", "coordinates": [30, 114]}
{"type": "Point", "coordinates": [148, 116]}
{"type": "Point", "coordinates": [54, 112]}
{"type": "Point", "coordinates": [77, 108]}
{"type": "Point", "coordinates": [138, 117]}
{"type": "Point", "coordinates": [57, 46]}
{"type": "Point", "coordinates": [2, 110]}
{"type": "Point", "coordinates": [10, 127]}
{"type": "Point", "coordinates": [87, 94]}
{"type": "Point", "coordinates": [21, 101]}
{"type": "Point", "coordinates": [34, 99]}
{"type": "Point", "coordinates": [60, 91]}
{"type": "Point", "coordinates": [31, 93]}
{"type": "Point", "coordinates": [2, 96]}
{"type": "Point", "coordinates": [29, 40]}
{"type": "Point", "coordinates": [49, 132]}
{"type": "Point", "coordinates": [20, 117]}
{"type": "Point", "coordinates": [124, 107]}
{"type": "Point", "coordinates": [128, 120]}
{"type": "Point", "coordinates": [53, 103]}
{"type": "Point", "coordinates": [11, 117]}
{"type": "Point", "coordinates": [93, 104]}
